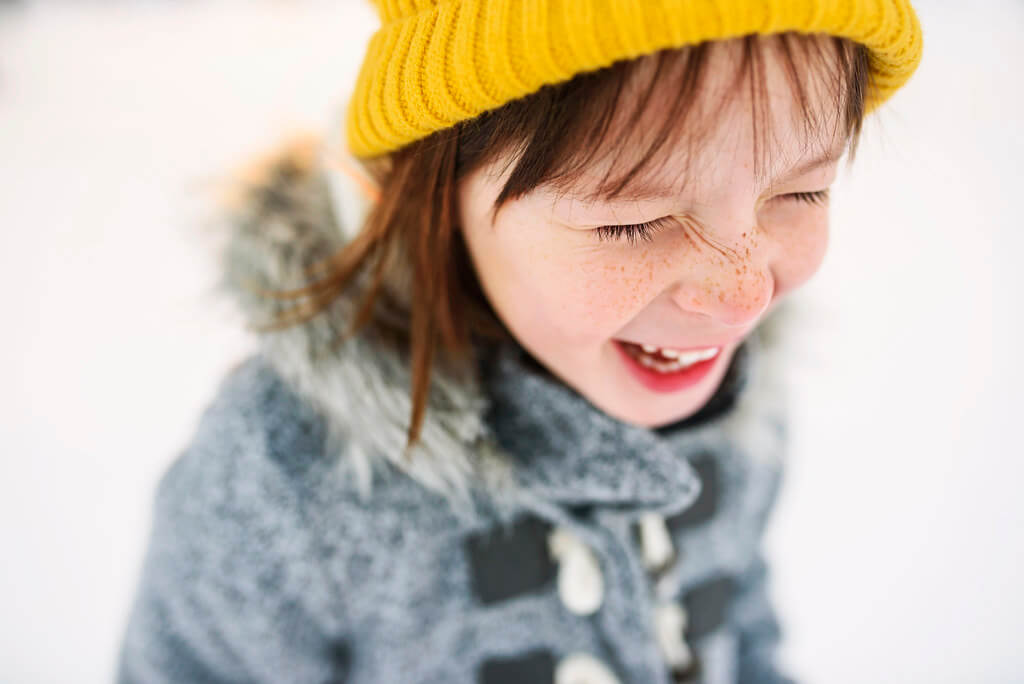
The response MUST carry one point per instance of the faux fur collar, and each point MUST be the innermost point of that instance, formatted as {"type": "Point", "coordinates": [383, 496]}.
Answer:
{"type": "Point", "coordinates": [509, 431]}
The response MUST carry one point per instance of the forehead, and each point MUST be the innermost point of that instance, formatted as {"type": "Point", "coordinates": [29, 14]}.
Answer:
{"type": "Point", "coordinates": [728, 128]}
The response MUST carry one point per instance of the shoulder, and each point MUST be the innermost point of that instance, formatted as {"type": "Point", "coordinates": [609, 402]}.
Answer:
{"type": "Point", "coordinates": [262, 454]}
{"type": "Point", "coordinates": [254, 515]}
{"type": "Point", "coordinates": [235, 481]}
{"type": "Point", "coordinates": [233, 553]}
{"type": "Point", "coordinates": [254, 428]}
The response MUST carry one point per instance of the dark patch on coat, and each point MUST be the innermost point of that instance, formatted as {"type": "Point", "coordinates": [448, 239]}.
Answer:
{"type": "Point", "coordinates": [707, 606]}
{"type": "Point", "coordinates": [509, 561]}
{"type": "Point", "coordinates": [340, 655]}
{"type": "Point", "coordinates": [533, 667]}
{"type": "Point", "coordinates": [704, 507]}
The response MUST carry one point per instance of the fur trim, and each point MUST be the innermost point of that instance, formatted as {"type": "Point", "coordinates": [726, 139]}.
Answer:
{"type": "Point", "coordinates": [281, 217]}
{"type": "Point", "coordinates": [279, 221]}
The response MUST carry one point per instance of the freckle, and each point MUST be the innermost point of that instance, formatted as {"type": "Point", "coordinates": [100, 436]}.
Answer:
{"type": "Point", "coordinates": [744, 235]}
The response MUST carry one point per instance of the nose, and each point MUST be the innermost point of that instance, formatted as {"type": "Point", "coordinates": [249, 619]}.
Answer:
{"type": "Point", "coordinates": [730, 288]}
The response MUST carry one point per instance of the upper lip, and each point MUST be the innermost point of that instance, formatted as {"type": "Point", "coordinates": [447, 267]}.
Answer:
{"type": "Point", "coordinates": [685, 349]}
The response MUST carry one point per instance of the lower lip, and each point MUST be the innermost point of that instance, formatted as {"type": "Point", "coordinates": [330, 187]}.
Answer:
{"type": "Point", "coordinates": [667, 382]}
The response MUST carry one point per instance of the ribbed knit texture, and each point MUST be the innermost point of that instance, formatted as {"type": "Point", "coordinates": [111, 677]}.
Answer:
{"type": "Point", "coordinates": [434, 63]}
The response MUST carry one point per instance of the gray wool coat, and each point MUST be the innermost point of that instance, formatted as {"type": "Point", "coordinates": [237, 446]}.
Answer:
{"type": "Point", "coordinates": [531, 538]}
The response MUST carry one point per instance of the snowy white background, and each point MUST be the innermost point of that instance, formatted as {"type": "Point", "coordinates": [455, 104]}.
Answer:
{"type": "Point", "coordinates": [897, 543]}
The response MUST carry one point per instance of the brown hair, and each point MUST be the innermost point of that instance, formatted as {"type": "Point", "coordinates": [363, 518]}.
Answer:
{"type": "Point", "coordinates": [410, 249]}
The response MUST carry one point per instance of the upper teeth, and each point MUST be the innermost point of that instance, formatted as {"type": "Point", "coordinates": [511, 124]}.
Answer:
{"type": "Point", "coordinates": [684, 357]}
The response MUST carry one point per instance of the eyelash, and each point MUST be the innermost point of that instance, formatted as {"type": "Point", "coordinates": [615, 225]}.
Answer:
{"type": "Point", "coordinates": [645, 231]}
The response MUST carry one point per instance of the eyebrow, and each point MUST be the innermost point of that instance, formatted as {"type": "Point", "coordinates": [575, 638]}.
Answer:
{"type": "Point", "coordinates": [648, 192]}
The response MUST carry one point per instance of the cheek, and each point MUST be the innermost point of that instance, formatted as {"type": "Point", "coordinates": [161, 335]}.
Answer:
{"type": "Point", "coordinates": [557, 288]}
{"type": "Point", "coordinates": [613, 283]}
{"type": "Point", "coordinates": [804, 242]}
{"type": "Point", "coordinates": [584, 294]}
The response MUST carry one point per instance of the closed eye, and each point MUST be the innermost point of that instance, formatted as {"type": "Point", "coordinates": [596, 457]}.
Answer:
{"type": "Point", "coordinates": [634, 232]}
{"type": "Point", "coordinates": [816, 197]}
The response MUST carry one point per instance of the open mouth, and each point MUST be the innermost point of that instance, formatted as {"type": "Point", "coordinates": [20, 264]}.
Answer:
{"type": "Point", "coordinates": [665, 360]}
{"type": "Point", "coordinates": [667, 370]}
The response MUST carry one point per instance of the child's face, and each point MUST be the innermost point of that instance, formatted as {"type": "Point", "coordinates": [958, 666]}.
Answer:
{"type": "Point", "coordinates": [728, 248]}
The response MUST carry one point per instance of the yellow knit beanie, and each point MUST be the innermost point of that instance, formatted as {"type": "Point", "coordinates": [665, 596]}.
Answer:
{"type": "Point", "coordinates": [434, 63]}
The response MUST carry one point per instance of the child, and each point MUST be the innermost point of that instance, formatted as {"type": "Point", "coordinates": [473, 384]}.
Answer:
{"type": "Point", "coordinates": [515, 417]}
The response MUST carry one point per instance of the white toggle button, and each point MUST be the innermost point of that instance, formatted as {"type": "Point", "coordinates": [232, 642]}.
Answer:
{"type": "Point", "coordinates": [582, 668]}
{"type": "Point", "coordinates": [580, 583]}
{"type": "Point", "coordinates": [655, 541]}
{"type": "Point", "coordinates": [669, 623]}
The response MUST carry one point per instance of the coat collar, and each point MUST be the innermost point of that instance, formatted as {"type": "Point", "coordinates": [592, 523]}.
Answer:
{"type": "Point", "coordinates": [507, 432]}
{"type": "Point", "coordinates": [570, 452]}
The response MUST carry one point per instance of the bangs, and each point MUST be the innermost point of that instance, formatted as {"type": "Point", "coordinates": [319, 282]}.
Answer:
{"type": "Point", "coordinates": [418, 282]}
{"type": "Point", "coordinates": [555, 135]}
